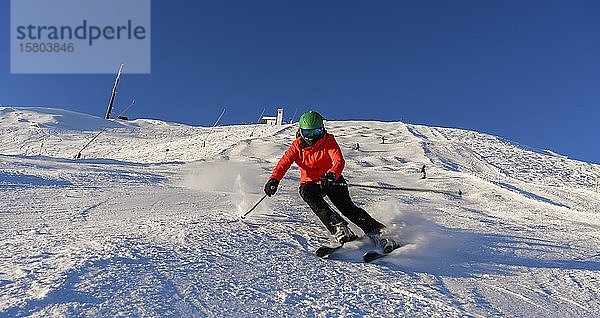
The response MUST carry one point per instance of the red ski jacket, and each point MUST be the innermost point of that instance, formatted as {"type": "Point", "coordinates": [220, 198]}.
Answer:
{"type": "Point", "coordinates": [314, 161]}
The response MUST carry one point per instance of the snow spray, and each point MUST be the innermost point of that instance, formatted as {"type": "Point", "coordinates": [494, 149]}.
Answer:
{"type": "Point", "coordinates": [238, 179]}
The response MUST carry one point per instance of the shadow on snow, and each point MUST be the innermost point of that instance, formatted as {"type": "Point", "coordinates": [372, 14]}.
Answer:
{"type": "Point", "coordinates": [459, 253]}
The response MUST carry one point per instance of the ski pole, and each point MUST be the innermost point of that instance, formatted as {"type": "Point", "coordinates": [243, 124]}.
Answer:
{"type": "Point", "coordinates": [399, 188]}
{"type": "Point", "coordinates": [254, 207]}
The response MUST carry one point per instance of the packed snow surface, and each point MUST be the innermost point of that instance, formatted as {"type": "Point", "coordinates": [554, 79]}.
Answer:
{"type": "Point", "coordinates": [147, 223]}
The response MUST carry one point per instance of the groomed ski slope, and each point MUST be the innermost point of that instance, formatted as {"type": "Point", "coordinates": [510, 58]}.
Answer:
{"type": "Point", "coordinates": [132, 229]}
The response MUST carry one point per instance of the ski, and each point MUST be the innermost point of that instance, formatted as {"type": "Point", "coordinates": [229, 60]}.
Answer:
{"type": "Point", "coordinates": [325, 250]}
{"type": "Point", "coordinates": [370, 256]}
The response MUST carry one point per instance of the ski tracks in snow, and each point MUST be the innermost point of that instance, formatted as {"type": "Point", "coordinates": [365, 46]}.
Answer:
{"type": "Point", "coordinates": [130, 236]}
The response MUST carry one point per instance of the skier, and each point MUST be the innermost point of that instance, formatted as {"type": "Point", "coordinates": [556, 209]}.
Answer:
{"type": "Point", "coordinates": [321, 162]}
{"type": "Point", "coordinates": [423, 172]}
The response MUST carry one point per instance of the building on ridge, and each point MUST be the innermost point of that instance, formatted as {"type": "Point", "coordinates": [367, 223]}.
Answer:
{"type": "Point", "coordinates": [273, 120]}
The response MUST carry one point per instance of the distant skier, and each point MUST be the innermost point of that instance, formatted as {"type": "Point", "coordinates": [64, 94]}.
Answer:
{"type": "Point", "coordinates": [382, 139]}
{"type": "Point", "coordinates": [423, 172]}
{"type": "Point", "coordinates": [320, 160]}
{"type": "Point", "coordinates": [357, 147]}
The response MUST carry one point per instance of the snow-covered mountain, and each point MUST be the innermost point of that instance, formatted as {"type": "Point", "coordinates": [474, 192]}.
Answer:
{"type": "Point", "coordinates": [147, 223]}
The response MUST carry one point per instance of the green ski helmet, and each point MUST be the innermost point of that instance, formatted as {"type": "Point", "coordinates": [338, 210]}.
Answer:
{"type": "Point", "coordinates": [311, 120]}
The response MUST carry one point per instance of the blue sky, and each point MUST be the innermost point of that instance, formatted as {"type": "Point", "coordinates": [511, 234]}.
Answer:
{"type": "Point", "coordinates": [528, 71]}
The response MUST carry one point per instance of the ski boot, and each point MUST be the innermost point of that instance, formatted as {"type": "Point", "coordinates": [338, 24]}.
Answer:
{"type": "Point", "coordinates": [383, 241]}
{"type": "Point", "coordinates": [343, 233]}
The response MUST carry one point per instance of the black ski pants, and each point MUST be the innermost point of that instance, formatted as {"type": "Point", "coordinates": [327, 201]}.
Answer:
{"type": "Point", "coordinates": [312, 194]}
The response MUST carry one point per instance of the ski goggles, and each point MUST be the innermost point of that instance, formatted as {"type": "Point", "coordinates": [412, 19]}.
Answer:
{"type": "Point", "coordinates": [311, 133]}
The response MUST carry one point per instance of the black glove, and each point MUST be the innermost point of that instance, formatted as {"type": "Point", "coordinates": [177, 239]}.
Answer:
{"type": "Point", "coordinates": [327, 181]}
{"type": "Point", "coordinates": [271, 186]}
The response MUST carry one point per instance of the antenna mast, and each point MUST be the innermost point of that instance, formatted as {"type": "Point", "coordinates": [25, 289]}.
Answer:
{"type": "Point", "coordinates": [114, 93]}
